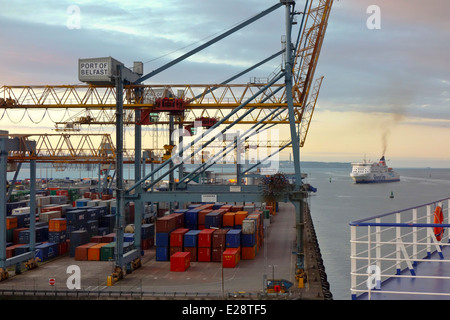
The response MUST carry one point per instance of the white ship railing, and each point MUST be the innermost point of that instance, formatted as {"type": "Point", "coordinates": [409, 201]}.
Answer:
{"type": "Point", "coordinates": [385, 245]}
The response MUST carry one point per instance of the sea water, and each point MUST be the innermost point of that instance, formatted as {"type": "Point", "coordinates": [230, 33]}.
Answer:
{"type": "Point", "coordinates": [339, 201]}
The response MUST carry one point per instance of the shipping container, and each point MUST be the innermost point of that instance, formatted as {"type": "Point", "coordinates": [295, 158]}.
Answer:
{"type": "Point", "coordinates": [205, 238]}
{"type": "Point", "coordinates": [162, 239]}
{"type": "Point", "coordinates": [228, 219]}
{"type": "Point", "coordinates": [204, 254]}
{"type": "Point", "coordinates": [201, 216]}
{"type": "Point", "coordinates": [180, 261]}
{"type": "Point", "coordinates": [107, 251]}
{"type": "Point", "coordinates": [248, 240]}
{"type": "Point", "coordinates": [11, 222]}
{"type": "Point", "coordinates": [81, 252]}
{"type": "Point", "coordinates": [236, 208]}
{"type": "Point", "coordinates": [46, 251]}
{"type": "Point", "coordinates": [11, 250]}
{"type": "Point", "coordinates": [58, 224]}
{"type": "Point", "coordinates": [177, 237]}
{"type": "Point", "coordinates": [94, 252]}
{"type": "Point", "coordinates": [248, 253]}
{"type": "Point", "coordinates": [230, 257]}
{"type": "Point", "coordinates": [213, 220]}
{"type": "Point", "coordinates": [57, 236]}
{"type": "Point", "coordinates": [233, 238]}
{"type": "Point", "coordinates": [77, 238]}
{"type": "Point", "coordinates": [48, 215]}
{"type": "Point", "coordinates": [76, 217]}
{"type": "Point", "coordinates": [219, 238]}
{"type": "Point", "coordinates": [166, 224]}
{"type": "Point", "coordinates": [147, 231]}
{"type": "Point", "coordinates": [108, 238]}
{"type": "Point", "coordinates": [216, 254]}
{"type": "Point", "coordinates": [191, 238]}
{"type": "Point", "coordinates": [191, 217]}
{"type": "Point", "coordinates": [249, 226]}
{"type": "Point", "coordinates": [239, 217]}
{"type": "Point", "coordinates": [193, 251]}
{"type": "Point", "coordinates": [173, 250]}
{"type": "Point", "coordinates": [162, 254]}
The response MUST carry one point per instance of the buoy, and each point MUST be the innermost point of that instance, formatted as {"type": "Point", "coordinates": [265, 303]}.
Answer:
{"type": "Point", "coordinates": [392, 195]}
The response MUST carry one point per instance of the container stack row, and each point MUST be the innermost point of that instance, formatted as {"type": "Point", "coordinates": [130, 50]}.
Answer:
{"type": "Point", "coordinates": [211, 233]}
{"type": "Point", "coordinates": [65, 220]}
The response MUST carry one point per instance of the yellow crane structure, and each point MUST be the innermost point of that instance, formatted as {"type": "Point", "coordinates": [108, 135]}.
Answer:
{"type": "Point", "coordinates": [97, 102]}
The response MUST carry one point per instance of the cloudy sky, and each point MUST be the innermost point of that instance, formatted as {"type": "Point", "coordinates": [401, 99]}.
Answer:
{"type": "Point", "coordinates": [384, 89]}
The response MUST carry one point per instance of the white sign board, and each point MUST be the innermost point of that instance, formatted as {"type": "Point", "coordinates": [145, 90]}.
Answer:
{"type": "Point", "coordinates": [209, 197]}
{"type": "Point", "coordinates": [92, 68]}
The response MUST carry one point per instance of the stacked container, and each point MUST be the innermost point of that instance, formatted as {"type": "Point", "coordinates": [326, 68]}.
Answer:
{"type": "Point", "coordinates": [205, 245]}
{"type": "Point", "coordinates": [147, 236]}
{"type": "Point", "coordinates": [164, 226]}
{"type": "Point", "coordinates": [218, 244]}
{"type": "Point", "coordinates": [177, 240]}
{"type": "Point", "coordinates": [191, 243]}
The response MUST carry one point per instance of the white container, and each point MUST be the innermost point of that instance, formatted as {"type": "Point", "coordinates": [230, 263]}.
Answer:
{"type": "Point", "coordinates": [248, 226]}
{"type": "Point", "coordinates": [21, 210]}
{"type": "Point", "coordinates": [47, 216]}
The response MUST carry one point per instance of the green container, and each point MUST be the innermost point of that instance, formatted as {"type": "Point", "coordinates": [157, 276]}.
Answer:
{"type": "Point", "coordinates": [266, 214]}
{"type": "Point", "coordinates": [9, 235]}
{"type": "Point", "coordinates": [107, 252]}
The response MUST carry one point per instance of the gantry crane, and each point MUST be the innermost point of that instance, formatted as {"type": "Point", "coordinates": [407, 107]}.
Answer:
{"type": "Point", "coordinates": [254, 103]}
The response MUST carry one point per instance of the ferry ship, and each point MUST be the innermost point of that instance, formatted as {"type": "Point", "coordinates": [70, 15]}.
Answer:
{"type": "Point", "coordinates": [373, 172]}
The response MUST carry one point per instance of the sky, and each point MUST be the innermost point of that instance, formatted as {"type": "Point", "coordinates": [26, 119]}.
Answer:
{"type": "Point", "coordinates": [385, 89]}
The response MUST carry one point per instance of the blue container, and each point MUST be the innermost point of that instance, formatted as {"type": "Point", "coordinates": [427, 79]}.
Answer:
{"type": "Point", "coordinates": [162, 254]}
{"type": "Point", "coordinates": [76, 217]}
{"type": "Point", "coordinates": [191, 226]}
{"type": "Point", "coordinates": [23, 219]}
{"type": "Point", "coordinates": [103, 210]}
{"type": "Point", "coordinates": [233, 238]}
{"type": "Point", "coordinates": [77, 238]}
{"type": "Point", "coordinates": [22, 249]}
{"type": "Point", "coordinates": [147, 231]}
{"type": "Point", "coordinates": [248, 240]}
{"type": "Point", "coordinates": [191, 238]}
{"type": "Point", "coordinates": [217, 206]}
{"type": "Point", "coordinates": [108, 221]}
{"type": "Point", "coordinates": [92, 227]}
{"type": "Point", "coordinates": [93, 213]}
{"type": "Point", "coordinates": [103, 231]}
{"type": "Point", "coordinates": [213, 220]}
{"type": "Point", "coordinates": [191, 217]}
{"type": "Point", "coordinates": [81, 203]}
{"type": "Point", "coordinates": [46, 251]}
{"type": "Point", "coordinates": [193, 206]}
{"type": "Point", "coordinates": [162, 239]}
{"type": "Point", "coordinates": [181, 210]}
{"type": "Point", "coordinates": [57, 236]}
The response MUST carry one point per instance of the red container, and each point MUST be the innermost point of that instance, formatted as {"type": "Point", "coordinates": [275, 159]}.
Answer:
{"type": "Point", "coordinates": [193, 252]}
{"type": "Point", "coordinates": [205, 238]}
{"type": "Point", "coordinates": [201, 216]}
{"type": "Point", "coordinates": [81, 252]}
{"type": "Point", "coordinates": [180, 261]}
{"type": "Point", "coordinates": [236, 208]}
{"type": "Point", "coordinates": [204, 254]}
{"type": "Point", "coordinates": [62, 192]}
{"type": "Point", "coordinates": [52, 208]}
{"type": "Point", "coordinates": [166, 223]}
{"type": "Point", "coordinates": [96, 239]}
{"type": "Point", "coordinates": [174, 250]}
{"type": "Point", "coordinates": [219, 238]}
{"type": "Point", "coordinates": [216, 254]}
{"type": "Point", "coordinates": [179, 219]}
{"type": "Point", "coordinates": [230, 257]}
{"type": "Point", "coordinates": [145, 244]}
{"type": "Point", "coordinates": [10, 251]}
{"type": "Point", "coordinates": [16, 234]}
{"type": "Point", "coordinates": [63, 248]}
{"type": "Point", "coordinates": [177, 236]}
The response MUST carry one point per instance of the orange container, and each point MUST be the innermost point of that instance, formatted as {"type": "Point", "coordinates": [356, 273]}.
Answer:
{"type": "Point", "coordinates": [228, 219]}
{"type": "Point", "coordinates": [11, 222]}
{"type": "Point", "coordinates": [248, 253]}
{"type": "Point", "coordinates": [94, 252]}
{"type": "Point", "coordinates": [239, 217]}
{"type": "Point", "coordinates": [58, 224]}
{"type": "Point", "coordinates": [201, 216]}
{"type": "Point", "coordinates": [81, 252]}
